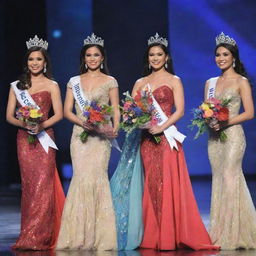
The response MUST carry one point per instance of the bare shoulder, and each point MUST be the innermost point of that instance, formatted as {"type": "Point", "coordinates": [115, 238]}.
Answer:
{"type": "Point", "coordinates": [139, 83]}
{"type": "Point", "coordinates": [52, 85]}
{"type": "Point", "coordinates": [174, 81]}
{"type": "Point", "coordinates": [242, 83]}
{"type": "Point", "coordinates": [242, 80]}
{"type": "Point", "coordinates": [140, 80]}
{"type": "Point", "coordinates": [209, 81]}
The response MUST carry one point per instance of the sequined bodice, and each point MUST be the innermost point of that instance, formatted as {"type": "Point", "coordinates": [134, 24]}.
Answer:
{"type": "Point", "coordinates": [43, 100]}
{"type": "Point", "coordinates": [99, 94]}
{"type": "Point", "coordinates": [164, 97]}
{"type": "Point", "coordinates": [235, 104]}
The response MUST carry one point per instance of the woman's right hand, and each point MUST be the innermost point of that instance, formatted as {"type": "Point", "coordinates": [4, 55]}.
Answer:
{"type": "Point", "coordinates": [87, 126]}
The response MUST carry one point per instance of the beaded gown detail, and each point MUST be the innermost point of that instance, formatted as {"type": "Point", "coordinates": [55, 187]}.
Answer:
{"type": "Point", "coordinates": [170, 214]}
{"type": "Point", "coordinates": [127, 189]}
{"type": "Point", "coordinates": [42, 195]}
{"type": "Point", "coordinates": [233, 217]}
{"type": "Point", "coordinates": [88, 220]}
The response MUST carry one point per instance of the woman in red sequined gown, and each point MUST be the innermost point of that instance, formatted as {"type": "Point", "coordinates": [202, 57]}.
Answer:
{"type": "Point", "coordinates": [170, 213]}
{"type": "Point", "coordinates": [42, 195]}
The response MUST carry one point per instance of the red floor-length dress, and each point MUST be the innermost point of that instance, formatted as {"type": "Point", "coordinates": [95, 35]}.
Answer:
{"type": "Point", "coordinates": [170, 213]}
{"type": "Point", "coordinates": [42, 195]}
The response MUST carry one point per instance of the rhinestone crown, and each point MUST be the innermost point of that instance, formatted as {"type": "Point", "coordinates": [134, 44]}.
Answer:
{"type": "Point", "coordinates": [157, 39]}
{"type": "Point", "coordinates": [222, 38]}
{"type": "Point", "coordinates": [93, 39]}
{"type": "Point", "coordinates": [37, 42]}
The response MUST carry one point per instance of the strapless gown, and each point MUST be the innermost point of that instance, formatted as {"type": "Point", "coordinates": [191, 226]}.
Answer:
{"type": "Point", "coordinates": [42, 195]}
{"type": "Point", "coordinates": [170, 214]}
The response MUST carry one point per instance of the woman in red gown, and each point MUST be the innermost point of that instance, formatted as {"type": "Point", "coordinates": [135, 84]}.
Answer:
{"type": "Point", "coordinates": [170, 214]}
{"type": "Point", "coordinates": [42, 195]}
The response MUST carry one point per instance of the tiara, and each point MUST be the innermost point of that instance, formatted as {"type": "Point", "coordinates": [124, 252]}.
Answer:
{"type": "Point", "coordinates": [93, 39]}
{"type": "Point", "coordinates": [157, 39]}
{"type": "Point", "coordinates": [222, 38]}
{"type": "Point", "coordinates": [37, 42]}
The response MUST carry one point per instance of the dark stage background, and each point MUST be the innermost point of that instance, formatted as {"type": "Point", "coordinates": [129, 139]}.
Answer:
{"type": "Point", "coordinates": [191, 27]}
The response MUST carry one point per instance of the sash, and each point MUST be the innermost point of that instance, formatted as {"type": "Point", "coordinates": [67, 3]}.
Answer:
{"type": "Point", "coordinates": [25, 99]}
{"type": "Point", "coordinates": [211, 88]}
{"type": "Point", "coordinates": [171, 133]}
{"type": "Point", "coordinates": [83, 101]}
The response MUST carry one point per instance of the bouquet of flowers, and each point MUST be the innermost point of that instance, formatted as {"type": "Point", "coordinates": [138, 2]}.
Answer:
{"type": "Point", "coordinates": [30, 115]}
{"type": "Point", "coordinates": [95, 115]}
{"type": "Point", "coordinates": [208, 114]}
{"type": "Point", "coordinates": [138, 112]}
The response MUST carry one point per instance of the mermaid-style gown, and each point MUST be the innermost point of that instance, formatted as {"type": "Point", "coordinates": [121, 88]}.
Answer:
{"type": "Point", "coordinates": [42, 195]}
{"type": "Point", "coordinates": [233, 217]}
{"type": "Point", "coordinates": [88, 220]}
{"type": "Point", "coordinates": [170, 214]}
{"type": "Point", "coordinates": [127, 189]}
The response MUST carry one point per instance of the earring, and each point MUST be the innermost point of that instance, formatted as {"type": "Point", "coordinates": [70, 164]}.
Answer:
{"type": "Point", "coordinates": [166, 65]}
{"type": "Point", "coordinates": [234, 64]}
{"type": "Point", "coordinates": [101, 66]}
{"type": "Point", "coordinates": [85, 65]}
{"type": "Point", "coordinates": [149, 66]}
{"type": "Point", "coordinates": [44, 69]}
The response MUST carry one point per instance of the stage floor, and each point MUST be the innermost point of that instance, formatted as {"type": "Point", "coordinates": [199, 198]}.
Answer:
{"type": "Point", "coordinates": [10, 225]}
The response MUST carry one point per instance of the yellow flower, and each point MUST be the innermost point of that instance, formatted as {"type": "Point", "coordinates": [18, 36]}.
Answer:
{"type": "Point", "coordinates": [204, 106]}
{"type": "Point", "coordinates": [34, 113]}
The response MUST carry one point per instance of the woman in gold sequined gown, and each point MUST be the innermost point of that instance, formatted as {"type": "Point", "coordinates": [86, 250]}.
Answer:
{"type": "Point", "coordinates": [233, 218]}
{"type": "Point", "coordinates": [42, 195]}
{"type": "Point", "coordinates": [88, 220]}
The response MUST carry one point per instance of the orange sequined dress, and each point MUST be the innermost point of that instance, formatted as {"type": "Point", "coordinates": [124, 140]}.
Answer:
{"type": "Point", "coordinates": [170, 213]}
{"type": "Point", "coordinates": [42, 195]}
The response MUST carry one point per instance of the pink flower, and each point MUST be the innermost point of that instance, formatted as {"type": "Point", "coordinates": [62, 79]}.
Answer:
{"type": "Point", "coordinates": [214, 101]}
{"type": "Point", "coordinates": [26, 113]}
{"type": "Point", "coordinates": [127, 105]}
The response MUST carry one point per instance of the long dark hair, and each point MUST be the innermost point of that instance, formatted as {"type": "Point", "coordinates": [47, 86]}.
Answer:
{"type": "Point", "coordinates": [25, 79]}
{"type": "Point", "coordinates": [146, 70]}
{"type": "Point", "coordinates": [239, 67]}
{"type": "Point", "coordinates": [83, 69]}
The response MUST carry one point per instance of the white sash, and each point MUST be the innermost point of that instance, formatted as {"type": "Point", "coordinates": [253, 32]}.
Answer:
{"type": "Point", "coordinates": [25, 99]}
{"type": "Point", "coordinates": [171, 133]}
{"type": "Point", "coordinates": [211, 88]}
{"type": "Point", "coordinates": [83, 101]}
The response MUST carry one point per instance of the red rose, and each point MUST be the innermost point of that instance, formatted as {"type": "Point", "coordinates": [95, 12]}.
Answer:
{"type": "Point", "coordinates": [223, 114]}
{"type": "Point", "coordinates": [95, 116]}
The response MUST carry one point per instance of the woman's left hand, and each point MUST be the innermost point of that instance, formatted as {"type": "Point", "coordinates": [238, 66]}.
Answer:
{"type": "Point", "coordinates": [156, 129]}
{"type": "Point", "coordinates": [35, 129]}
{"type": "Point", "coordinates": [107, 130]}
